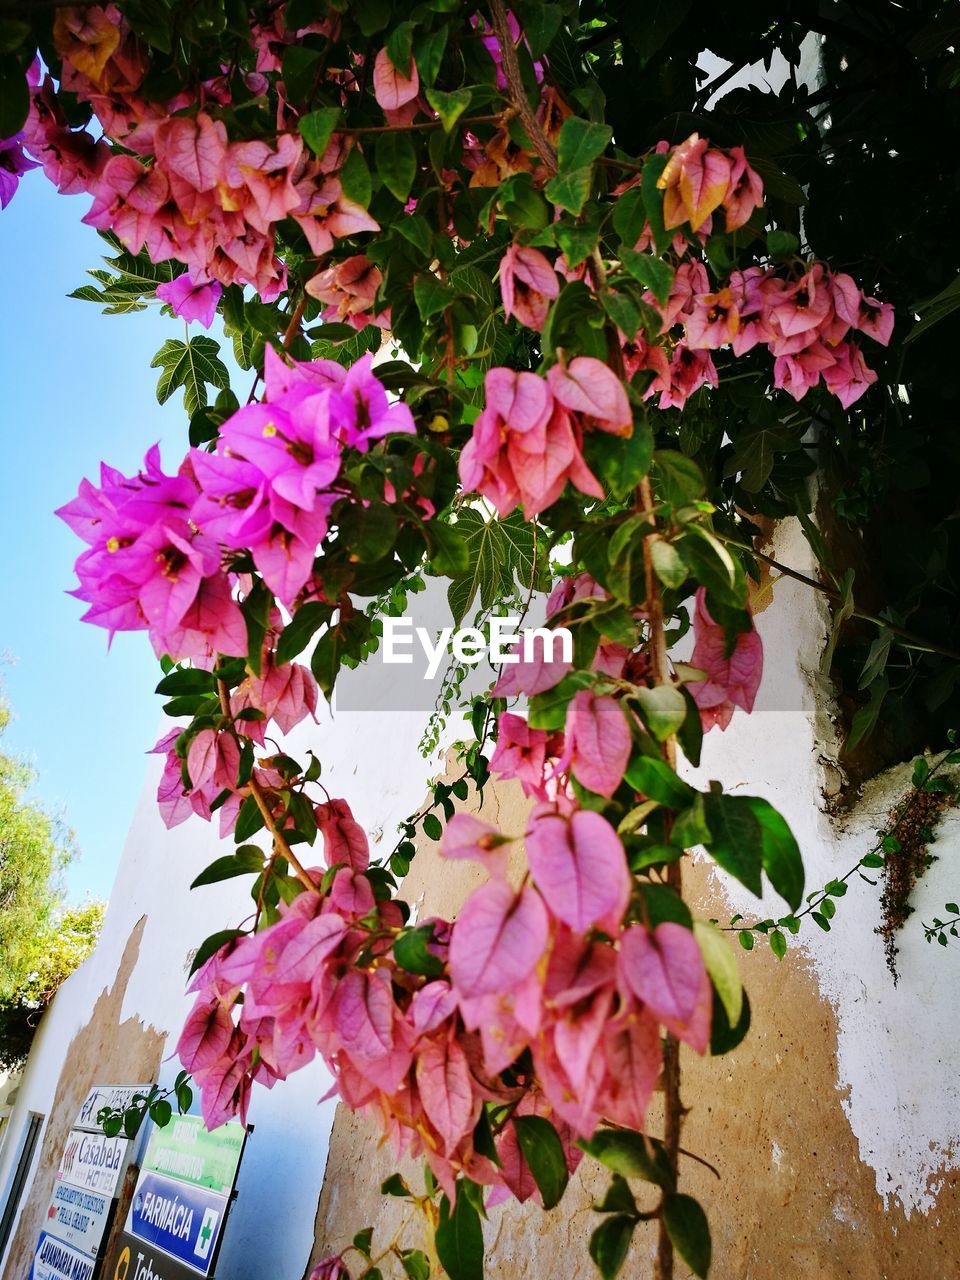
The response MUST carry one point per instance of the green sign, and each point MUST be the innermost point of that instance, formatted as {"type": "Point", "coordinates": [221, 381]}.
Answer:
{"type": "Point", "coordinates": [184, 1149]}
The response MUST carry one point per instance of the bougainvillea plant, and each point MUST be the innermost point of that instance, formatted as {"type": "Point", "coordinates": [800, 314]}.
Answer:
{"type": "Point", "coordinates": [568, 301]}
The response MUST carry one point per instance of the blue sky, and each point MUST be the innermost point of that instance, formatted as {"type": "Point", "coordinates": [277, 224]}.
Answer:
{"type": "Point", "coordinates": [76, 386]}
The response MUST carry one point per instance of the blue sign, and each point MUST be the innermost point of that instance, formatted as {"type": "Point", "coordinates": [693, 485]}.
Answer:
{"type": "Point", "coordinates": [181, 1219]}
{"type": "Point", "coordinates": [56, 1260]}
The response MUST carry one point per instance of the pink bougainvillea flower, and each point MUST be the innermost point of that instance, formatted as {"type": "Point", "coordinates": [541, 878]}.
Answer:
{"type": "Point", "coordinates": [391, 86]}
{"type": "Point", "coordinates": [596, 741]}
{"type": "Point", "coordinates": [633, 1054]}
{"type": "Point", "coordinates": [444, 1083]}
{"type": "Point", "coordinates": [344, 840]}
{"type": "Point", "coordinates": [848, 377]}
{"type": "Point", "coordinates": [195, 150]}
{"type": "Point", "coordinates": [531, 675]}
{"type": "Point", "coordinates": [467, 836]}
{"type": "Point", "coordinates": [869, 315]}
{"type": "Point", "coordinates": [579, 866]}
{"type": "Point", "coordinates": [689, 371]}
{"type": "Point", "coordinates": [192, 296]}
{"type": "Point", "coordinates": [733, 677]}
{"type": "Point", "coordinates": [522, 753]}
{"type": "Point", "coordinates": [213, 759]}
{"type": "Point", "coordinates": [804, 305]}
{"type": "Point", "coordinates": [349, 289]}
{"type": "Point", "coordinates": [663, 968]}
{"type": "Point", "coordinates": [695, 181]}
{"type": "Point", "coordinates": [745, 192]}
{"type": "Point", "coordinates": [588, 387]}
{"type": "Point", "coordinates": [362, 411]}
{"type": "Point", "coordinates": [523, 447]}
{"type": "Point", "coordinates": [13, 164]}
{"type": "Point", "coordinates": [497, 939]}
{"type": "Point", "coordinates": [331, 1268]}
{"type": "Point", "coordinates": [714, 321]}
{"type": "Point", "coordinates": [528, 284]}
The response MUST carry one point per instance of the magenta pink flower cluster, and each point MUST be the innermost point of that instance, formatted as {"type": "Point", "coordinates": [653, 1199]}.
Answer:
{"type": "Point", "coordinates": [196, 196]}
{"type": "Point", "coordinates": [549, 963]}
{"type": "Point", "coordinates": [527, 442]}
{"type": "Point", "coordinates": [161, 546]}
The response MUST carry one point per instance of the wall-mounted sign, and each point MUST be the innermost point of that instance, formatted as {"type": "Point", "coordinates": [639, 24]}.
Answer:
{"type": "Point", "coordinates": [55, 1260]}
{"type": "Point", "coordinates": [92, 1161]}
{"type": "Point", "coordinates": [137, 1260]}
{"type": "Point", "coordinates": [78, 1217]}
{"type": "Point", "coordinates": [115, 1096]}
{"type": "Point", "coordinates": [186, 1150]}
{"type": "Point", "coordinates": [182, 1195]}
{"type": "Point", "coordinates": [179, 1218]}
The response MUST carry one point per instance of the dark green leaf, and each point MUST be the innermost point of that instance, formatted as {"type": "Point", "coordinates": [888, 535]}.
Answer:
{"type": "Point", "coordinates": [355, 178]}
{"type": "Point", "coordinates": [301, 628]}
{"type": "Point", "coordinates": [610, 1244]}
{"type": "Point", "coordinates": [580, 142]}
{"type": "Point", "coordinates": [687, 1227]}
{"type": "Point", "coordinates": [245, 861]}
{"type": "Point", "coordinates": [570, 190]}
{"type": "Point", "coordinates": [651, 271]}
{"type": "Point", "coordinates": [543, 1152]}
{"type": "Point", "coordinates": [459, 1239]}
{"type": "Point", "coordinates": [411, 953]}
{"type": "Point", "coordinates": [396, 162]}
{"type": "Point", "coordinates": [317, 128]}
{"type": "Point", "coordinates": [736, 842]}
{"type": "Point", "coordinates": [654, 778]}
{"type": "Point", "coordinates": [212, 944]}
{"type": "Point", "coordinates": [782, 860]}
{"type": "Point", "coordinates": [631, 1154]}
{"type": "Point", "coordinates": [449, 106]}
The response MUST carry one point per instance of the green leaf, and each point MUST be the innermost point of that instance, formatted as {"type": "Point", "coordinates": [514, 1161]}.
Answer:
{"type": "Point", "coordinates": [14, 96]}
{"type": "Point", "coordinates": [610, 1244]}
{"type": "Point", "coordinates": [500, 556]}
{"type": "Point", "coordinates": [651, 271]}
{"type": "Point", "coordinates": [778, 944]}
{"type": "Point", "coordinates": [190, 365]}
{"type": "Point", "coordinates": [161, 1112]}
{"type": "Point", "coordinates": [623, 461]}
{"type": "Point", "coordinates": [394, 1186]}
{"type": "Point", "coordinates": [244, 861]}
{"type": "Point", "coordinates": [400, 46]}
{"type": "Point", "coordinates": [212, 944]}
{"type": "Point", "coordinates": [736, 842]}
{"type": "Point", "coordinates": [654, 778]}
{"type": "Point", "coordinates": [543, 1152]}
{"type": "Point", "coordinates": [362, 1241]}
{"type": "Point", "coordinates": [680, 480]}
{"type": "Point", "coordinates": [631, 1154]}
{"type": "Point", "coordinates": [723, 1036]}
{"type": "Point", "coordinates": [721, 966]}
{"type": "Point", "coordinates": [780, 852]}
{"type": "Point", "coordinates": [667, 564]}
{"type": "Point", "coordinates": [397, 162]}
{"type": "Point", "coordinates": [432, 827]}
{"type": "Point", "coordinates": [663, 709]}
{"type": "Point", "coordinates": [618, 1198]}
{"type": "Point", "coordinates": [317, 128]}
{"type": "Point", "coordinates": [629, 215]}
{"type": "Point", "coordinates": [459, 1239]}
{"type": "Point", "coordinates": [570, 190]}
{"type": "Point", "coordinates": [782, 244]}
{"type": "Point", "coordinates": [428, 53]}
{"type": "Point", "coordinates": [746, 939]}
{"type": "Point", "coordinates": [355, 178]}
{"type": "Point", "coordinates": [410, 952]}
{"type": "Point", "coordinates": [301, 628]}
{"type": "Point", "coordinates": [431, 295]}
{"type": "Point", "coordinates": [449, 106]}
{"type": "Point", "coordinates": [448, 549]}
{"type": "Point", "coordinates": [686, 1225]}
{"type": "Point", "coordinates": [345, 640]}
{"type": "Point", "coordinates": [580, 142]}
{"type": "Point", "coordinates": [415, 1264]}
